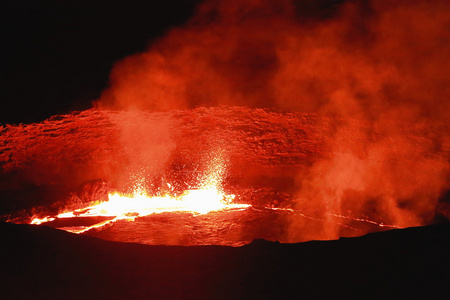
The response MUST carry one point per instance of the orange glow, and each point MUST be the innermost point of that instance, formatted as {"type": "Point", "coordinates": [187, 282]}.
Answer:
{"type": "Point", "coordinates": [139, 204]}
{"type": "Point", "coordinates": [38, 221]}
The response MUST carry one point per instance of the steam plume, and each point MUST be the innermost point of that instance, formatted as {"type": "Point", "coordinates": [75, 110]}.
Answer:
{"type": "Point", "coordinates": [377, 68]}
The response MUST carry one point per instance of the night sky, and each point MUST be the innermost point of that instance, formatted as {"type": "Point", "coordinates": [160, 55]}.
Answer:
{"type": "Point", "coordinates": [56, 55]}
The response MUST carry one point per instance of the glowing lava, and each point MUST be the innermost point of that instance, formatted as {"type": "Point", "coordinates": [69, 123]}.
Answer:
{"type": "Point", "coordinates": [139, 204]}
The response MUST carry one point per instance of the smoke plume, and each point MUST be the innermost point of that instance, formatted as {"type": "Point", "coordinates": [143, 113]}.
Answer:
{"type": "Point", "coordinates": [376, 68]}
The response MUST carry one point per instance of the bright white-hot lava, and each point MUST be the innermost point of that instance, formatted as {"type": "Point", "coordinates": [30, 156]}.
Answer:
{"type": "Point", "coordinates": [208, 197]}
{"type": "Point", "coordinates": [139, 204]}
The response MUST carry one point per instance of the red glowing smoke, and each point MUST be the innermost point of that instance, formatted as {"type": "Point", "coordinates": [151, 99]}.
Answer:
{"type": "Point", "coordinates": [377, 68]}
{"type": "Point", "coordinates": [369, 59]}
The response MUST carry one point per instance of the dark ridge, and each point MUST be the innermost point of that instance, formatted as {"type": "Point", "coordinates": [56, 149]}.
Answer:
{"type": "Point", "coordinates": [43, 263]}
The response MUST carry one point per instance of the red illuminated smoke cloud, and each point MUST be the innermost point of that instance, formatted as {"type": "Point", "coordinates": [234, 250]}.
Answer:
{"type": "Point", "coordinates": [367, 58]}
{"type": "Point", "coordinates": [384, 63]}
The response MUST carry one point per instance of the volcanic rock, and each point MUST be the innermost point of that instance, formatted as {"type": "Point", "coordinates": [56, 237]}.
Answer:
{"type": "Point", "coordinates": [43, 263]}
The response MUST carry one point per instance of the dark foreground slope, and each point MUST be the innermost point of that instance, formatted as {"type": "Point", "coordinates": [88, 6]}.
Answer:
{"type": "Point", "coordinates": [44, 263]}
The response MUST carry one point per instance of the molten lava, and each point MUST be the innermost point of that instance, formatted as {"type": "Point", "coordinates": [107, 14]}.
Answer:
{"type": "Point", "coordinates": [139, 204]}
{"type": "Point", "coordinates": [302, 179]}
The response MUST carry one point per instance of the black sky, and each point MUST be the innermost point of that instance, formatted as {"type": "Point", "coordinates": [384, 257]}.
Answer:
{"type": "Point", "coordinates": [56, 55]}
